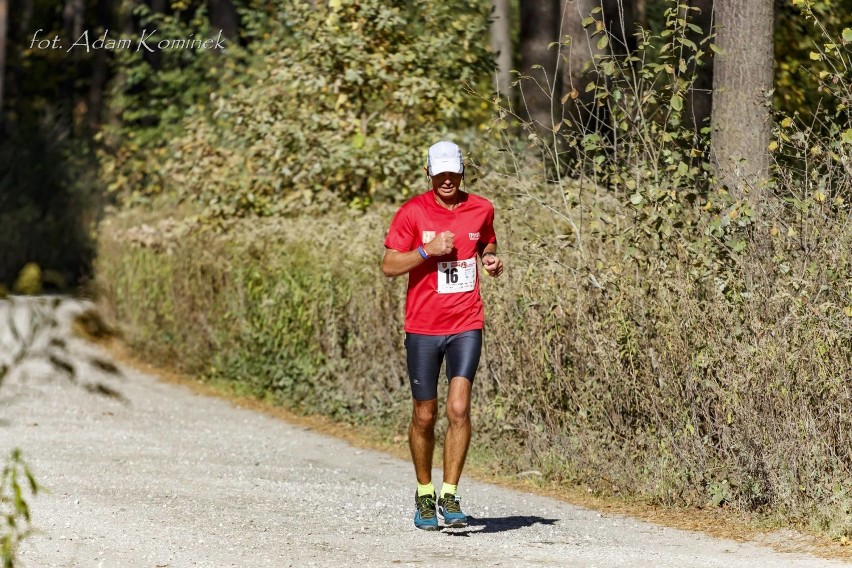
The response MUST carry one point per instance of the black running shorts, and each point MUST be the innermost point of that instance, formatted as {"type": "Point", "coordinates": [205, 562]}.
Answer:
{"type": "Point", "coordinates": [426, 352]}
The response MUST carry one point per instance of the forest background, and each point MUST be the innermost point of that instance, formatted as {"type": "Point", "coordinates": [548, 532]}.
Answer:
{"type": "Point", "coordinates": [672, 182]}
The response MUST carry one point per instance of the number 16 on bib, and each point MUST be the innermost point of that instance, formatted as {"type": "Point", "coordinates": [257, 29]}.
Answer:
{"type": "Point", "coordinates": [456, 276]}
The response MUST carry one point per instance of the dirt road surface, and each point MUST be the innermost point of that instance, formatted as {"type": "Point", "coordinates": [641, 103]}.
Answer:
{"type": "Point", "coordinates": [161, 477]}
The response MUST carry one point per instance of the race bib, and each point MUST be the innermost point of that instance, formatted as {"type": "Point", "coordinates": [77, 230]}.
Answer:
{"type": "Point", "coordinates": [456, 276]}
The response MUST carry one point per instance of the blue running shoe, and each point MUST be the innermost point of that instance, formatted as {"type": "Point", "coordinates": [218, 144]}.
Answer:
{"type": "Point", "coordinates": [449, 507]}
{"type": "Point", "coordinates": [424, 512]}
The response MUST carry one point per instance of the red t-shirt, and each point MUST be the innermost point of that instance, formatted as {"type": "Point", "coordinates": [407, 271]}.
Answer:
{"type": "Point", "coordinates": [443, 292]}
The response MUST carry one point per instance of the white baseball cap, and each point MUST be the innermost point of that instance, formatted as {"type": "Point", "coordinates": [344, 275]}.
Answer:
{"type": "Point", "coordinates": [444, 157]}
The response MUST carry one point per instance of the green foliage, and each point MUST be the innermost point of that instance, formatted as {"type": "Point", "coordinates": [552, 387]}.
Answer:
{"type": "Point", "coordinates": [633, 137]}
{"type": "Point", "coordinates": [152, 94]}
{"type": "Point", "coordinates": [804, 29]}
{"type": "Point", "coordinates": [813, 145]}
{"type": "Point", "coordinates": [689, 291]}
{"type": "Point", "coordinates": [340, 99]}
{"type": "Point", "coordinates": [17, 484]}
{"type": "Point", "coordinates": [641, 99]}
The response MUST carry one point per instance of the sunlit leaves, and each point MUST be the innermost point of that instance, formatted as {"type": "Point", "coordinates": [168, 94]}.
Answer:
{"type": "Point", "coordinates": [343, 101]}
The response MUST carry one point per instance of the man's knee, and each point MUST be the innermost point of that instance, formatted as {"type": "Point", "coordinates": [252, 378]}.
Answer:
{"type": "Point", "coordinates": [458, 411]}
{"type": "Point", "coordinates": [425, 414]}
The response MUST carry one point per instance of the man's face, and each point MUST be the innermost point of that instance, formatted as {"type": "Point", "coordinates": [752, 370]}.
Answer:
{"type": "Point", "coordinates": [446, 184]}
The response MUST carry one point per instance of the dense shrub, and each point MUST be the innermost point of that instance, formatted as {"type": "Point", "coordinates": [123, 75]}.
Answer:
{"type": "Point", "coordinates": [282, 308]}
{"type": "Point", "coordinates": [336, 102]}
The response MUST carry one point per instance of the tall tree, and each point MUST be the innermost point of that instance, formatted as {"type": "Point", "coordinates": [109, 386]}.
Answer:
{"type": "Point", "coordinates": [73, 17]}
{"type": "Point", "coordinates": [613, 16]}
{"type": "Point", "coordinates": [619, 16]}
{"type": "Point", "coordinates": [4, 12]}
{"type": "Point", "coordinates": [640, 10]}
{"type": "Point", "coordinates": [579, 50]}
{"type": "Point", "coordinates": [501, 45]}
{"type": "Point", "coordinates": [99, 69]}
{"type": "Point", "coordinates": [742, 81]}
{"type": "Point", "coordinates": [223, 16]}
{"type": "Point", "coordinates": [539, 29]}
{"type": "Point", "coordinates": [155, 59]}
{"type": "Point", "coordinates": [700, 99]}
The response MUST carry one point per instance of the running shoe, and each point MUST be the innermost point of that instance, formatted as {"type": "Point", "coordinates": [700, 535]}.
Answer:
{"type": "Point", "coordinates": [449, 507]}
{"type": "Point", "coordinates": [424, 512]}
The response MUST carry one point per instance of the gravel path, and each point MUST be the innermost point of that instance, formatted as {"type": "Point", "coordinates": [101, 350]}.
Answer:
{"type": "Point", "coordinates": [162, 477]}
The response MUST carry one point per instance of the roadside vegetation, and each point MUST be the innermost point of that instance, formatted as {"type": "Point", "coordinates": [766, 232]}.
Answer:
{"type": "Point", "coordinates": [22, 338]}
{"type": "Point", "coordinates": [17, 485]}
{"type": "Point", "coordinates": [658, 335]}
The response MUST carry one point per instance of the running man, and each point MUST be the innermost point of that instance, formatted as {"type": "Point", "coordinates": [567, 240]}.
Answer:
{"type": "Point", "coordinates": [436, 238]}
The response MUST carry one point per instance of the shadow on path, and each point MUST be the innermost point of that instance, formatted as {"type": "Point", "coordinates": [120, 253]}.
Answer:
{"type": "Point", "coordinates": [498, 524]}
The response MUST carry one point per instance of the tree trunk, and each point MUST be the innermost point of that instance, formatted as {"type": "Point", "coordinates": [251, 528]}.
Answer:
{"type": "Point", "coordinates": [617, 18]}
{"type": "Point", "coordinates": [73, 15]}
{"type": "Point", "coordinates": [19, 25]}
{"type": "Point", "coordinates": [742, 79]}
{"type": "Point", "coordinates": [501, 45]}
{"type": "Point", "coordinates": [223, 16]}
{"type": "Point", "coordinates": [620, 19]}
{"type": "Point", "coordinates": [539, 28]}
{"type": "Point", "coordinates": [99, 70]}
{"type": "Point", "coordinates": [640, 11]}
{"type": "Point", "coordinates": [701, 97]}
{"type": "Point", "coordinates": [4, 12]}
{"type": "Point", "coordinates": [577, 56]}
{"type": "Point", "coordinates": [153, 59]}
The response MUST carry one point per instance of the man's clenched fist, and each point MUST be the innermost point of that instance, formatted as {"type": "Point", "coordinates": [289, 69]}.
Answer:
{"type": "Point", "coordinates": [492, 264]}
{"type": "Point", "coordinates": [439, 246]}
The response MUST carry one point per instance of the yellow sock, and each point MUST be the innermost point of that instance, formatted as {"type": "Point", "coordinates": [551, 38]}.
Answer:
{"type": "Point", "coordinates": [425, 489]}
{"type": "Point", "coordinates": [447, 488]}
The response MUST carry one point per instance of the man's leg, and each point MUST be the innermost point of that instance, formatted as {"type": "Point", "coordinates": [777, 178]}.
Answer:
{"type": "Point", "coordinates": [421, 438]}
{"type": "Point", "coordinates": [458, 433]}
{"type": "Point", "coordinates": [424, 362]}
{"type": "Point", "coordinates": [455, 451]}
{"type": "Point", "coordinates": [463, 351]}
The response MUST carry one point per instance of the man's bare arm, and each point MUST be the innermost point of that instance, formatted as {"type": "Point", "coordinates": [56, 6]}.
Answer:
{"type": "Point", "coordinates": [397, 263]}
